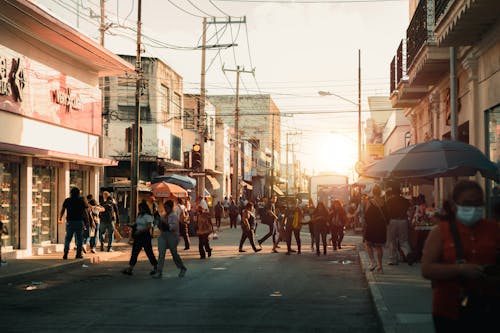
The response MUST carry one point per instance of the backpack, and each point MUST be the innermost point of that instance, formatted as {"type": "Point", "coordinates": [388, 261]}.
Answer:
{"type": "Point", "coordinates": [108, 216]}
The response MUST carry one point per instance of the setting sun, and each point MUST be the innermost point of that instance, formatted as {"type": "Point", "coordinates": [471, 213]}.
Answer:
{"type": "Point", "coordinates": [336, 153]}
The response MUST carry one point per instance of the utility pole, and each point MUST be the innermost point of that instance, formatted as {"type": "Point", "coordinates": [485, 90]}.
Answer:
{"type": "Point", "coordinates": [236, 141]}
{"type": "Point", "coordinates": [102, 26]}
{"type": "Point", "coordinates": [136, 128]}
{"type": "Point", "coordinates": [201, 111]}
{"type": "Point", "coordinates": [359, 106]}
{"type": "Point", "coordinates": [201, 118]}
{"type": "Point", "coordinates": [287, 166]}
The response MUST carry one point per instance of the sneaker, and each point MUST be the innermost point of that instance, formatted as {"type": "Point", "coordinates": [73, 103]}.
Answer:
{"type": "Point", "coordinates": [110, 249]}
{"type": "Point", "coordinates": [65, 256]}
{"type": "Point", "coordinates": [79, 257]}
{"type": "Point", "coordinates": [102, 248]}
{"type": "Point", "coordinates": [157, 275]}
{"type": "Point", "coordinates": [92, 250]}
{"type": "Point", "coordinates": [154, 271]}
{"type": "Point", "coordinates": [182, 273]}
{"type": "Point", "coordinates": [241, 250]}
{"type": "Point", "coordinates": [209, 253]}
{"type": "Point", "coordinates": [258, 250]}
{"type": "Point", "coordinates": [127, 271]}
{"type": "Point", "coordinates": [392, 263]}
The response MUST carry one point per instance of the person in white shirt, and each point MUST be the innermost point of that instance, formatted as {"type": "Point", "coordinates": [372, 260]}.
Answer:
{"type": "Point", "coordinates": [141, 231]}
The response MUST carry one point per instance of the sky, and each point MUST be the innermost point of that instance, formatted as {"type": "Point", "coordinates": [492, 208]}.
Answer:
{"type": "Point", "coordinates": [297, 48]}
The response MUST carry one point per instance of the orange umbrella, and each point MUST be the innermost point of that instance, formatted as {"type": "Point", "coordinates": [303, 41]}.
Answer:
{"type": "Point", "coordinates": [166, 190]}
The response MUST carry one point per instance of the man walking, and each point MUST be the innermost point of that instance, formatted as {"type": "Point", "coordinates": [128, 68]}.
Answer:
{"type": "Point", "coordinates": [270, 218]}
{"type": "Point", "coordinates": [397, 211]}
{"type": "Point", "coordinates": [108, 218]}
{"type": "Point", "coordinates": [168, 239]}
{"type": "Point", "coordinates": [76, 218]}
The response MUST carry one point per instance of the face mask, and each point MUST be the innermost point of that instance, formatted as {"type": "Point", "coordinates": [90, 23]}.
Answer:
{"type": "Point", "coordinates": [469, 215]}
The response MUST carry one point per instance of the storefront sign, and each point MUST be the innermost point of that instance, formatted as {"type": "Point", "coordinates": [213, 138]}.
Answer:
{"type": "Point", "coordinates": [11, 158]}
{"type": "Point", "coordinates": [42, 92]}
{"type": "Point", "coordinates": [47, 163]}
{"type": "Point", "coordinates": [67, 99]}
{"type": "Point", "coordinates": [11, 78]}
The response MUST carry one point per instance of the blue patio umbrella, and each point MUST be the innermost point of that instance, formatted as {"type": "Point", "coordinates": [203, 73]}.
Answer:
{"type": "Point", "coordinates": [185, 182]}
{"type": "Point", "coordinates": [432, 159]}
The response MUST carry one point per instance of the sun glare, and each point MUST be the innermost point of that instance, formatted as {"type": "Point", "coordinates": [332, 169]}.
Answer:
{"type": "Point", "coordinates": [337, 153]}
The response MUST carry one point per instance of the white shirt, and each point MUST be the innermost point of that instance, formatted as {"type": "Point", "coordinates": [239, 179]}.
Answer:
{"type": "Point", "coordinates": [143, 221]}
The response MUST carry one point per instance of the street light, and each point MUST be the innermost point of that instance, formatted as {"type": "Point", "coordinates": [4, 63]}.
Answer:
{"type": "Point", "coordinates": [358, 104]}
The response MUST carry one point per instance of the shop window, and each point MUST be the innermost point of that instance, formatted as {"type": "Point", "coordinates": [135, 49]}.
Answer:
{"type": "Point", "coordinates": [9, 203]}
{"type": "Point", "coordinates": [78, 178]}
{"type": "Point", "coordinates": [493, 152]}
{"type": "Point", "coordinates": [44, 197]}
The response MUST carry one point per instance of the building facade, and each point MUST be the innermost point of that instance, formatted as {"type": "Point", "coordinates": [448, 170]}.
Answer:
{"type": "Point", "coordinates": [161, 106]}
{"type": "Point", "coordinates": [259, 124]}
{"type": "Point", "coordinates": [50, 111]}
{"type": "Point", "coordinates": [465, 35]}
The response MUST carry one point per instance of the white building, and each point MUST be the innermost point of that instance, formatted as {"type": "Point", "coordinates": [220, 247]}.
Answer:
{"type": "Point", "coordinates": [50, 111]}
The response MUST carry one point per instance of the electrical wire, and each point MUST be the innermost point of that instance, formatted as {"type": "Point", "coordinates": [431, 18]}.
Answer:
{"type": "Point", "coordinates": [183, 10]}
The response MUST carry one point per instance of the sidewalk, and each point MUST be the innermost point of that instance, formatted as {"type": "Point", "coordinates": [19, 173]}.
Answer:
{"type": "Point", "coordinates": [402, 297]}
{"type": "Point", "coordinates": [53, 262]}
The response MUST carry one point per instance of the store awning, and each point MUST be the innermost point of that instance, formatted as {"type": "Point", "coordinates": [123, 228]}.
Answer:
{"type": "Point", "coordinates": [277, 190]}
{"type": "Point", "coordinates": [213, 181]}
{"type": "Point", "coordinates": [247, 185]}
{"type": "Point", "coordinates": [38, 27]}
{"type": "Point", "coordinates": [55, 155]}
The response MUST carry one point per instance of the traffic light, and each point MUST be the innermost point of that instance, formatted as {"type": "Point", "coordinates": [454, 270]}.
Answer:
{"type": "Point", "coordinates": [196, 157]}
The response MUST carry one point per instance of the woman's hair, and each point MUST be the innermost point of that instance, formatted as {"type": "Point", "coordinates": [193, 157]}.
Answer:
{"type": "Point", "coordinates": [168, 204]}
{"type": "Point", "coordinates": [249, 205]}
{"type": "Point", "coordinates": [464, 186]}
{"type": "Point", "coordinates": [74, 192]}
{"type": "Point", "coordinates": [144, 208]}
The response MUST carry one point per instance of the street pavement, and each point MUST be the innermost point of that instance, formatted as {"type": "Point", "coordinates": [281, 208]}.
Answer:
{"type": "Point", "coordinates": [229, 292]}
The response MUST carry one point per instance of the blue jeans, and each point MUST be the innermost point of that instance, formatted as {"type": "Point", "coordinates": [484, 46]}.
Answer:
{"type": "Point", "coordinates": [93, 239]}
{"type": "Point", "coordinates": [102, 230]}
{"type": "Point", "coordinates": [76, 228]}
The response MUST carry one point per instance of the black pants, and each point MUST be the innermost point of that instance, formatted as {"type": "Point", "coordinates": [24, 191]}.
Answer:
{"type": "Point", "coordinates": [232, 221]}
{"type": "Point", "coordinates": [217, 221]}
{"type": "Point", "coordinates": [247, 234]}
{"type": "Point", "coordinates": [184, 231]}
{"type": "Point", "coordinates": [320, 231]}
{"type": "Point", "coordinates": [337, 235]}
{"type": "Point", "coordinates": [143, 241]}
{"type": "Point", "coordinates": [296, 233]}
{"type": "Point", "coordinates": [204, 245]}
{"type": "Point", "coordinates": [272, 232]}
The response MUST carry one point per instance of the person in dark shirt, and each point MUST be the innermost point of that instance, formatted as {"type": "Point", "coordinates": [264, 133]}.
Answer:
{"type": "Point", "coordinates": [76, 218]}
{"type": "Point", "coordinates": [397, 213]}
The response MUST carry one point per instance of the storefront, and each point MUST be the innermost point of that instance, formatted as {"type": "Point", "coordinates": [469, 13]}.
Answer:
{"type": "Point", "coordinates": [51, 116]}
{"type": "Point", "coordinates": [9, 199]}
{"type": "Point", "coordinates": [493, 152]}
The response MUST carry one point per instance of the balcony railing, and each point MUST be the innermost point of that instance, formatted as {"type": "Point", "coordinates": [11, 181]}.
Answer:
{"type": "Point", "coordinates": [440, 7]}
{"type": "Point", "coordinates": [398, 66]}
{"type": "Point", "coordinates": [419, 31]}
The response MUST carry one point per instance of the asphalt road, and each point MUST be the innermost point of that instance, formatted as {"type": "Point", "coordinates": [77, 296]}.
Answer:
{"type": "Point", "coordinates": [230, 292]}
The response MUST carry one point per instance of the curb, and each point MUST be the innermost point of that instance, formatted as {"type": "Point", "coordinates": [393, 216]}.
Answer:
{"type": "Point", "coordinates": [386, 318]}
{"type": "Point", "coordinates": [52, 268]}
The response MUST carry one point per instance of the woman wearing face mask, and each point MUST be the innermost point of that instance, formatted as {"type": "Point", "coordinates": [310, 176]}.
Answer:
{"type": "Point", "coordinates": [459, 285]}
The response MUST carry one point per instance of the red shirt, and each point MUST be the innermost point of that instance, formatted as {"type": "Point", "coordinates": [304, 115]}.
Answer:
{"type": "Point", "coordinates": [480, 244]}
